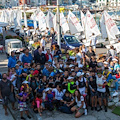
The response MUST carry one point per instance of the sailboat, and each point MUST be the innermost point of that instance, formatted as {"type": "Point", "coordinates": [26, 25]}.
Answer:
{"type": "Point", "coordinates": [110, 30]}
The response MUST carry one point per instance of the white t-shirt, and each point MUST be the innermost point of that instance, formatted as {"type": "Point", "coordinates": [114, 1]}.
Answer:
{"type": "Point", "coordinates": [42, 42]}
{"type": "Point", "coordinates": [93, 39]}
{"type": "Point", "coordinates": [78, 56]}
{"type": "Point", "coordinates": [14, 82]}
{"type": "Point", "coordinates": [79, 103]}
{"type": "Point", "coordinates": [101, 82]}
{"type": "Point", "coordinates": [58, 95]}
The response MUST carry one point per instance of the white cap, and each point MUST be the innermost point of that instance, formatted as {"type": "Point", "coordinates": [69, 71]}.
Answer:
{"type": "Point", "coordinates": [87, 73]}
{"type": "Point", "coordinates": [80, 74]}
{"type": "Point", "coordinates": [106, 63]}
{"type": "Point", "coordinates": [60, 71]}
{"type": "Point", "coordinates": [25, 82]}
{"type": "Point", "coordinates": [47, 89]}
{"type": "Point", "coordinates": [80, 65]}
{"type": "Point", "coordinates": [114, 59]}
{"type": "Point", "coordinates": [69, 78]}
{"type": "Point", "coordinates": [72, 69]}
{"type": "Point", "coordinates": [71, 65]}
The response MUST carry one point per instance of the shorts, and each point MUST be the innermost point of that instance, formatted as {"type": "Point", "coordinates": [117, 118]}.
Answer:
{"type": "Point", "coordinates": [101, 95]}
{"type": "Point", "coordinates": [93, 93]}
{"type": "Point", "coordinates": [8, 98]}
{"type": "Point", "coordinates": [81, 110]}
{"type": "Point", "coordinates": [94, 46]}
{"type": "Point", "coordinates": [22, 106]}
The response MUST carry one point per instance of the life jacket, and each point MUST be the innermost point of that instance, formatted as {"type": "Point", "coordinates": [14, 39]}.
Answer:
{"type": "Point", "coordinates": [71, 87]}
{"type": "Point", "coordinates": [111, 80]}
{"type": "Point", "coordinates": [82, 84]}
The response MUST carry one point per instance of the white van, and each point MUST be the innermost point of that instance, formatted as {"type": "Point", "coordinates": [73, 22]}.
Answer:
{"type": "Point", "coordinates": [12, 45]}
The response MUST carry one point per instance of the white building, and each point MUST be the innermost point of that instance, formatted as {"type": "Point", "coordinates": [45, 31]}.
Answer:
{"type": "Point", "coordinates": [112, 3]}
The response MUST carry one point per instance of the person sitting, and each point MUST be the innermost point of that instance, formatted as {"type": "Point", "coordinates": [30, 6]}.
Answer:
{"type": "Point", "coordinates": [80, 107]}
{"type": "Point", "coordinates": [66, 100]}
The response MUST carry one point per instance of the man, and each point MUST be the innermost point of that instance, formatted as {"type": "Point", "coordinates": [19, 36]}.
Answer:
{"type": "Point", "coordinates": [93, 42]}
{"type": "Point", "coordinates": [21, 54]}
{"type": "Point", "coordinates": [40, 58]}
{"type": "Point", "coordinates": [12, 60]}
{"type": "Point", "coordinates": [43, 42]}
{"type": "Point", "coordinates": [27, 57]}
{"type": "Point", "coordinates": [49, 55]}
{"type": "Point", "coordinates": [6, 92]}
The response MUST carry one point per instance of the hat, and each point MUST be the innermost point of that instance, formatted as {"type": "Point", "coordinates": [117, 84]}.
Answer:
{"type": "Point", "coordinates": [31, 69]}
{"type": "Point", "coordinates": [46, 63]}
{"type": "Point", "coordinates": [47, 89]}
{"type": "Point", "coordinates": [72, 69]}
{"type": "Point", "coordinates": [106, 63]}
{"type": "Point", "coordinates": [69, 78]}
{"type": "Point", "coordinates": [50, 61]}
{"type": "Point", "coordinates": [60, 71]}
{"type": "Point", "coordinates": [35, 72]}
{"type": "Point", "coordinates": [25, 63]}
{"type": "Point", "coordinates": [71, 65]}
{"type": "Point", "coordinates": [87, 73]}
{"type": "Point", "coordinates": [25, 82]}
{"type": "Point", "coordinates": [114, 59]}
{"type": "Point", "coordinates": [16, 65]}
{"type": "Point", "coordinates": [80, 74]}
{"type": "Point", "coordinates": [80, 65]}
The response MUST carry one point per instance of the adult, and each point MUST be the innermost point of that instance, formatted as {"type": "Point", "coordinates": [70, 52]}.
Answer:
{"type": "Point", "coordinates": [52, 32]}
{"type": "Point", "coordinates": [6, 92]}
{"type": "Point", "coordinates": [40, 58]}
{"type": "Point", "coordinates": [93, 42]}
{"type": "Point", "coordinates": [80, 107]}
{"type": "Point", "coordinates": [57, 52]}
{"type": "Point", "coordinates": [43, 42]}
{"type": "Point", "coordinates": [12, 60]}
{"type": "Point", "coordinates": [112, 52]}
{"type": "Point", "coordinates": [27, 57]}
{"type": "Point", "coordinates": [48, 55]}
{"type": "Point", "coordinates": [21, 54]}
{"type": "Point", "coordinates": [35, 53]}
{"type": "Point", "coordinates": [90, 53]}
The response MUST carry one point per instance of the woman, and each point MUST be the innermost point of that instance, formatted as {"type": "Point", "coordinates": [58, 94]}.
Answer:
{"type": "Point", "coordinates": [58, 95]}
{"type": "Point", "coordinates": [80, 107]}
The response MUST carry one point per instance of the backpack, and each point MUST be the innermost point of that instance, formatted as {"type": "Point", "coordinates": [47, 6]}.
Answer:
{"type": "Point", "coordinates": [82, 84]}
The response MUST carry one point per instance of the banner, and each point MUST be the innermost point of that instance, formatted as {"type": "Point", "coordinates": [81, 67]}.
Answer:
{"type": "Point", "coordinates": [63, 23]}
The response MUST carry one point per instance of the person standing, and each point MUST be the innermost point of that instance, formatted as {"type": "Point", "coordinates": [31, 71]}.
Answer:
{"type": "Point", "coordinates": [12, 60]}
{"type": "Point", "coordinates": [93, 42]}
{"type": "Point", "coordinates": [43, 42]}
{"type": "Point", "coordinates": [27, 57]}
{"type": "Point", "coordinates": [6, 92]}
{"type": "Point", "coordinates": [40, 58]}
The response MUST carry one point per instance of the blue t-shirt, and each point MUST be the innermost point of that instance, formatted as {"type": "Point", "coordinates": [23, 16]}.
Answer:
{"type": "Point", "coordinates": [27, 59]}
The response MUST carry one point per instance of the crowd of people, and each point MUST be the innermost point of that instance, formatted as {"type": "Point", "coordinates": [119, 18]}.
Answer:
{"type": "Point", "coordinates": [55, 81]}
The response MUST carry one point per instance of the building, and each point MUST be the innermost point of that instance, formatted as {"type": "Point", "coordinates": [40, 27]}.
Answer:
{"type": "Point", "coordinates": [110, 3]}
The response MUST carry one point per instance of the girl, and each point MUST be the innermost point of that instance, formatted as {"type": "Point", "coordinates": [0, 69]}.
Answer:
{"type": "Point", "coordinates": [80, 107]}
{"type": "Point", "coordinates": [37, 104]}
{"type": "Point", "coordinates": [58, 95]}
{"type": "Point", "coordinates": [22, 97]}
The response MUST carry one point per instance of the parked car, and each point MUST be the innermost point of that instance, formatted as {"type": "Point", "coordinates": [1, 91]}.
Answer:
{"type": "Point", "coordinates": [68, 42]}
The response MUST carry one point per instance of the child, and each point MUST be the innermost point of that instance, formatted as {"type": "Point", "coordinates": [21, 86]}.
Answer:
{"type": "Point", "coordinates": [37, 104]}
{"type": "Point", "coordinates": [22, 97]}
{"type": "Point", "coordinates": [49, 99]}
